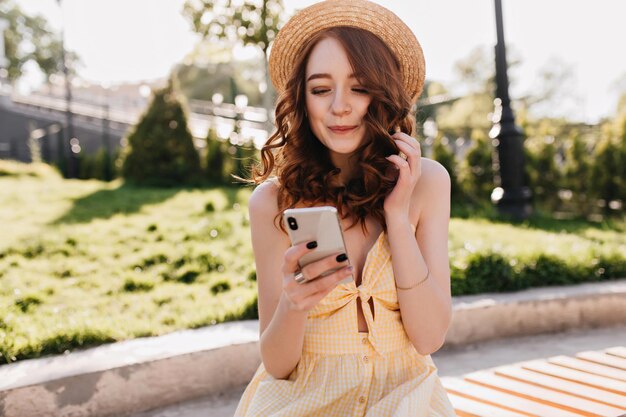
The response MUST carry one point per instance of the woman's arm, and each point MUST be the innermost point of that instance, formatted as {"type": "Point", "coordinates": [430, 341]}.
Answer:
{"type": "Point", "coordinates": [426, 309]}
{"type": "Point", "coordinates": [281, 328]}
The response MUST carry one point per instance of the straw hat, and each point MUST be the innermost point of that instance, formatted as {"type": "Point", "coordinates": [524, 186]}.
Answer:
{"type": "Point", "coordinates": [362, 14]}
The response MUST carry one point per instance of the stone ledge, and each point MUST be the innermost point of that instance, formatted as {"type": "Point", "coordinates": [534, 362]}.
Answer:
{"type": "Point", "coordinates": [140, 374]}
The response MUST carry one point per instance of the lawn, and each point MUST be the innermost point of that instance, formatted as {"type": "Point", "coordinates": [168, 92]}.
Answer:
{"type": "Point", "coordinates": [89, 262]}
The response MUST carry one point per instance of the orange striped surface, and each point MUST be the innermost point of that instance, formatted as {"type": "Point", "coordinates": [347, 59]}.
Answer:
{"type": "Point", "coordinates": [588, 384]}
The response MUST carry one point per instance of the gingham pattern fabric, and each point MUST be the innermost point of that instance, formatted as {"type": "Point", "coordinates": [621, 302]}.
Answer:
{"type": "Point", "coordinates": [344, 372]}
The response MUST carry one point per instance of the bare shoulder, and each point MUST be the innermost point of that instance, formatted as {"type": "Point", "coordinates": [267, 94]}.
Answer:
{"type": "Point", "coordinates": [434, 184]}
{"type": "Point", "coordinates": [264, 198]}
{"type": "Point", "coordinates": [263, 205]}
{"type": "Point", "coordinates": [433, 174]}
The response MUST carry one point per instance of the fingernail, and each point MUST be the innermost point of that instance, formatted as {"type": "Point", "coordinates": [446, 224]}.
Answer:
{"type": "Point", "coordinates": [350, 268]}
{"type": "Point", "coordinates": [341, 258]}
{"type": "Point", "coordinates": [311, 245]}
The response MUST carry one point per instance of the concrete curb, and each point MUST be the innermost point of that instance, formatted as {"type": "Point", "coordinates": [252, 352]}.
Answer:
{"type": "Point", "coordinates": [141, 374]}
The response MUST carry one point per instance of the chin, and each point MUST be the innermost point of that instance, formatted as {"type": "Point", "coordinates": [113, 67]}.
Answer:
{"type": "Point", "coordinates": [343, 150]}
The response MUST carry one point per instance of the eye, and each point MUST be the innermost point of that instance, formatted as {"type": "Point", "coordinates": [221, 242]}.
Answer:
{"type": "Point", "coordinates": [318, 91]}
{"type": "Point", "coordinates": [360, 90]}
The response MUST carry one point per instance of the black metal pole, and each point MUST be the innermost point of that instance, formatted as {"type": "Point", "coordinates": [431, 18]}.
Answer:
{"type": "Point", "coordinates": [511, 196]}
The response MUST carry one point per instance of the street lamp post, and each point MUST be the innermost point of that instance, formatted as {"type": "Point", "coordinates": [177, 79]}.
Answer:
{"type": "Point", "coordinates": [511, 196]}
{"type": "Point", "coordinates": [69, 135]}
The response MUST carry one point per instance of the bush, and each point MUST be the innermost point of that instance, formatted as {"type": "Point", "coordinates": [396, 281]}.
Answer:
{"type": "Point", "coordinates": [216, 157]}
{"type": "Point", "coordinates": [544, 175]}
{"type": "Point", "coordinates": [445, 156]}
{"type": "Point", "coordinates": [99, 165]}
{"type": "Point", "coordinates": [488, 272]}
{"type": "Point", "coordinates": [161, 150]}
{"type": "Point", "coordinates": [476, 169]}
{"type": "Point", "coordinates": [492, 272]}
{"type": "Point", "coordinates": [607, 176]}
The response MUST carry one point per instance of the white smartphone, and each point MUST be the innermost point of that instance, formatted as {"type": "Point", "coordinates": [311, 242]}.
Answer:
{"type": "Point", "coordinates": [322, 225]}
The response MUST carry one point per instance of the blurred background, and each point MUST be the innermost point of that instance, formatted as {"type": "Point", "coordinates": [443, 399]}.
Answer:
{"type": "Point", "coordinates": [122, 124]}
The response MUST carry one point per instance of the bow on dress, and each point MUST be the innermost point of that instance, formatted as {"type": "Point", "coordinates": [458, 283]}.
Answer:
{"type": "Point", "coordinates": [374, 278]}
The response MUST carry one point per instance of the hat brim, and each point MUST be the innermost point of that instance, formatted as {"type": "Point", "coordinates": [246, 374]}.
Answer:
{"type": "Point", "coordinates": [362, 14]}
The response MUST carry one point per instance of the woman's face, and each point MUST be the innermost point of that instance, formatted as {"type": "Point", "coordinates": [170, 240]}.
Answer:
{"type": "Point", "coordinates": [335, 101]}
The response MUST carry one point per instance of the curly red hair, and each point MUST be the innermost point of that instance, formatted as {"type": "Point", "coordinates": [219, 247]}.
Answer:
{"type": "Point", "coordinates": [302, 163]}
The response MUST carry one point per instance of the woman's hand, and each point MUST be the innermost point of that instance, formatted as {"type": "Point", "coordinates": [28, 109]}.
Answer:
{"type": "Point", "coordinates": [410, 170]}
{"type": "Point", "coordinates": [304, 296]}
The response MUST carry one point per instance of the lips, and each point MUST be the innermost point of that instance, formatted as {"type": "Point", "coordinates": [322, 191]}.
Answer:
{"type": "Point", "coordinates": [342, 129]}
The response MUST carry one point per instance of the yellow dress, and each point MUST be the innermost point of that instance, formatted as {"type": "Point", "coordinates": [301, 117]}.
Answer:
{"type": "Point", "coordinates": [343, 372]}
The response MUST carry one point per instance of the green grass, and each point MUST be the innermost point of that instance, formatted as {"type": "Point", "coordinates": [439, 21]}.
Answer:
{"type": "Point", "coordinates": [88, 262]}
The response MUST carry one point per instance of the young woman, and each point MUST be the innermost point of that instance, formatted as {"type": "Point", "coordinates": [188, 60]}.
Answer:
{"type": "Point", "coordinates": [348, 73]}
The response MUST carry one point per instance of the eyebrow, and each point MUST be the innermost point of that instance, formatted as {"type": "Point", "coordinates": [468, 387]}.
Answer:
{"type": "Point", "coordinates": [323, 75]}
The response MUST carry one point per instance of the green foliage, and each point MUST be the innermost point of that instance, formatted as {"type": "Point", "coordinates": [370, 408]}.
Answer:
{"type": "Point", "coordinates": [245, 156]}
{"type": "Point", "coordinates": [252, 22]}
{"type": "Point", "coordinates": [542, 170]}
{"type": "Point", "coordinates": [11, 350]}
{"type": "Point", "coordinates": [249, 22]}
{"type": "Point", "coordinates": [476, 169]}
{"type": "Point", "coordinates": [608, 175]}
{"type": "Point", "coordinates": [494, 272]}
{"type": "Point", "coordinates": [31, 39]}
{"type": "Point", "coordinates": [577, 173]}
{"type": "Point", "coordinates": [445, 156]}
{"type": "Point", "coordinates": [161, 150]}
{"type": "Point", "coordinates": [10, 168]}
{"type": "Point", "coordinates": [216, 159]}
{"type": "Point", "coordinates": [99, 165]}
{"type": "Point", "coordinates": [224, 160]}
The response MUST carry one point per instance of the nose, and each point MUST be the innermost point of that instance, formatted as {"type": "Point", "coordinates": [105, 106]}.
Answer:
{"type": "Point", "coordinates": [340, 105]}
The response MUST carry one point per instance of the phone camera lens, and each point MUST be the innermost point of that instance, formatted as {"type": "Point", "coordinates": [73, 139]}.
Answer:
{"type": "Point", "coordinates": [293, 225]}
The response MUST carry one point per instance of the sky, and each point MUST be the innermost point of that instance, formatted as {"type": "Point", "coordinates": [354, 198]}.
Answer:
{"type": "Point", "coordinates": [132, 40]}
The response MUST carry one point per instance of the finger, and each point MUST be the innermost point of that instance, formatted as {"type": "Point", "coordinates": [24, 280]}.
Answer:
{"type": "Point", "coordinates": [306, 295]}
{"type": "Point", "coordinates": [400, 163]}
{"type": "Point", "coordinates": [408, 148]}
{"type": "Point", "coordinates": [293, 255]}
{"type": "Point", "coordinates": [406, 138]}
{"type": "Point", "coordinates": [327, 263]}
{"type": "Point", "coordinates": [327, 283]}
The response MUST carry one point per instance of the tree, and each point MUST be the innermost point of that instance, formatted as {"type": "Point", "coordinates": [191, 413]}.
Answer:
{"type": "Point", "coordinates": [577, 172]}
{"type": "Point", "coordinates": [247, 21]}
{"type": "Point", "coordinates": [161, 150]}
{"type": "Point", "coordinates": [476, 169]}
{"type": "Point", "coordinates": [542, 171]}
{"type": "Point", "coordinates": [607, 171]}
{"type": "Point", "coordinates": [216, 154]}
{"type": "Point", "coordinates": [30, 39]}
